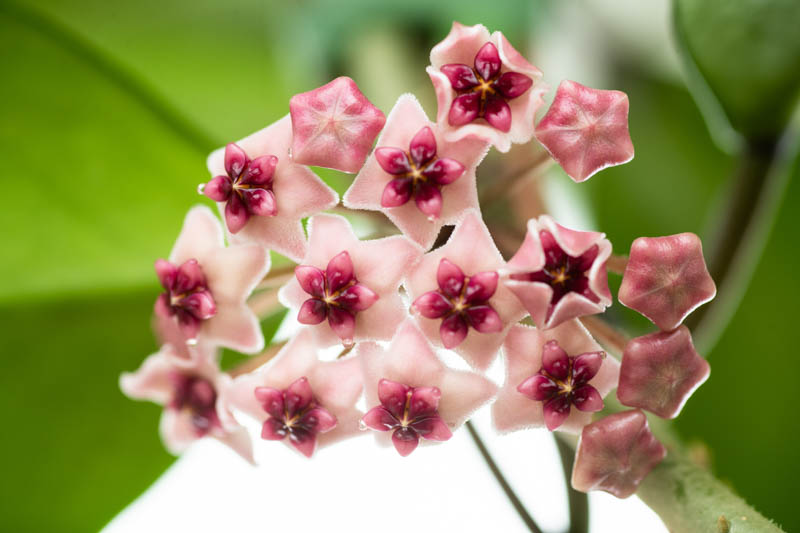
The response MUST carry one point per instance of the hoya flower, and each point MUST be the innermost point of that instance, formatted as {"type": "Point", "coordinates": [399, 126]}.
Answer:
{"type": "Point", "coordinates": [299, 400]}
{"type": "Point", "coordinates": [615, 454]}
{"type": "Point", "coordinates": [272, 193]}
{"type": "Point", "coordinates": [334, 126]}
{"type": "Point", "coordinates": [207, 284]}
{"type": "Point", "coordinates": [559, 273]}
{"type": "Point", "coordinates": [190, 391]}
{"type": "Point", "coordinates": [586, 130]}
{"type": "Point", "coordinates": [412, 395]}
{"type": "Point", "coordinates": [666, 279]}
{"type": "Point", "coordinates": [457, 299]}
{"type": "Point", "coordinates": [348, 289]}
{"type": "Point", "coordinates": [555, 378]}
{"type": "Point", "coordinates": [416, 177]}
{"type": "Point", "coordinates": [660, 371]}
{"type": "Point", "coordinates": [484, 87]}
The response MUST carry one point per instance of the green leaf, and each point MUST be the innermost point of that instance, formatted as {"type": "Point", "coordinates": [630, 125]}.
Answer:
{"type": "Point", "coordinates": [748, 54]}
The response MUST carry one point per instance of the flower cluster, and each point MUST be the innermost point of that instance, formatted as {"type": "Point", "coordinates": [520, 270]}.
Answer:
{"type": "Point", "coordinates": [395, 303]}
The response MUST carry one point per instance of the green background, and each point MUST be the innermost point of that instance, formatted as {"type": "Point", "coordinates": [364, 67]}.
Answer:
{"type": "Point", "coordinates": [107, 112]}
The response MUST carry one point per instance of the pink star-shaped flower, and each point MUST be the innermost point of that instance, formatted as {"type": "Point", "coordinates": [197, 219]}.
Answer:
{"type": "Point", "coordinates": [524, 349]}
{"type": "Point", "coordinates": [334, 126]}
{"type": "Point", "coordinates": [586, 130]}
{"type": "Point", "coordinates": [457, 299]}
{"type": "Point", "coordinates": [413, 395]}
{"type": "Point", "coordinates": [359, 295]}
{"type": "Point", "coordinates": [615, 454]}
{"type": "Point", "coordinates": [207, 285]}
{"type": "Point", "coordinates": [292, 191]}
{"type": "Point", "coordinates": [190, 391]}
{"type": "Point", "coordinates": [415, 177]}
{"type": "Point", "coordinates": [306, 403]}
{"type": "Point", "coordinates": [484, 87]}
{"type": "Point", "coordinates": [660, 371]}
{"type": "Point", "coordinates": [559, 273]}
{"type": "Point", "coordinates": [666, 279]}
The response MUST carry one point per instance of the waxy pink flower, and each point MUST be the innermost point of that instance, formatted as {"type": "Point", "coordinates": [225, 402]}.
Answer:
{"type": "Point", "coordinates": [586, 130]}
{"type": "Point", "coordinates": [666, 279]}
{"type": "Point", "coordinates": [615, 454]}
{"type": "Point", "coordinates": [559, 273]}
{"type": "Point", "coordinates": [291, 193]}
{"type": "Point", "coordinates": [416, 177]}
{"type": "Point", "coordinates": [354, 284]}
{"type": "Point", "coordinates": [334, 126]}
{"type": "Point", "coordinates": [189, 390]}
{"type": "Point", "coordinates": [660, 371]}
{"type": "Point", "coordinates": [207, 285]}
{"type": "Point", "coordinates": [413, 395]}
{"type": "Point", "coordinates": [458, 303]}
{"type": "Point", "coordinates": [246, 187]}
{"type": "Point", "coordinates": [298, 399]}
{"type": "Point", "coordinates": [548, 372]}
{"type": "Point", "coordinates": [484, 87]}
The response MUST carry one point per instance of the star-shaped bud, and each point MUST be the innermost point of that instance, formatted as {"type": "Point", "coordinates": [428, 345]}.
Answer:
{"type": "Point", "coordinates": [666, 279]}
{"type": "Point", "coordinates": [615, 454]}
{"type": "Point", "coordinates": [207, 285]}
{"type": "Point", "coordinates": [458, 302]}
{"type": "Point", "coordinates": [189, 390]}
{"type": "Point", "coordinates": [354, 284]}
{"type": "Point", "coordinates": [291, 193]}
{"type": "Point", "coordinates": [334, 126]}
{"type": "Point", "coordinates": [559, 273]}
{"type": "Point", "coordinates": [336, 295]}
{"type": "Point", "coordinates": [547, 373]}
{"type": "Point", "coordinates": [298, 399]}
{"type": "Point", "coordinates": [246, 187]}
{"type": "Point", "coordinates": [660, 371]}
{"type": "Point", "coordinates": [416, 177]}
{"type": "Point", "coordinates": [586, 130]}
{"type": "Point", "coordinates": [484, 87]}
{"type": "Point", "coordinates": [413, 395]}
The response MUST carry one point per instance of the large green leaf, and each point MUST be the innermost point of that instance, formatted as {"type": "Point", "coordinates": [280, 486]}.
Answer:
{"type": "Point", "coordinates": [748, 53]}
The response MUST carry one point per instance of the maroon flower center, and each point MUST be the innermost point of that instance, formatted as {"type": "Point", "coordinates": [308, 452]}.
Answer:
{"type": "Point", "coordinates": [564, 273]}
{"type": "Point", "coordinates": [336, 295]}
{"type": "Point", "coordinates": [409, 412]}
{"type": "Point", "coordinates": [483, 91]}
{"type": "Point", "coordinates": [461, 302]}
{"type": "Point", "coordinates": [295, 413]}
{"type": "Point", "coordinates": [198, 397]}
{"type": "Point", "coordinates": [419, 173]}
{"type": "Point", "coordinates": [187, 296]}
{"type": "Point", "coordinates": [563, 381]}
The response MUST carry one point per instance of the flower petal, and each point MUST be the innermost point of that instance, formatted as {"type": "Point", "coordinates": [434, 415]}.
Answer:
{"type": "Point", "coordinates": [429, 200]}
{"type": "Point", "coordinates": [538, 388]}
{"type": "Point", "coordinates": [392, 396]}
{"type": "Point", "coordinates": [461, 76]}
{"type": "Point", "coordinates": [432, 305]}
{"type": "Point", "coordinates": [218, 189]}
{"type": "Point", "coordinates": [260, 171]}
{"type": "Point", "coordinates": [273, 429]}
{"type": "Point", "coordinates": [585, 366]}
{"type": "Point", "coordinates": [587, 399]}
{"type": "Point", "coordinates": [498, 113]}
{"type": "Point", "coordinates": [453, 331]}
{"type": "Point", "coordinates": [424, 402]}
{"type": "Point", "coordinates": [450, 278]}
{"type": "Point", "coordinates": [311, 279]}
{"type": "Point", "coordinates": [260, 202]}
{"type": "Point", "coordinates": [271, 401]}
{"type": "Point", "coordinates": [464, 109]}
{"type": "Point", "coordinates": [487, 61]}
{"type": "Point", "coordinates": [339, 272]}
{"type": "Point", "coordinates": [405, 440]}
{"type": "Point", "coordinates": [235, 160]}
{"type": "Point", "coordinates": [379, 419]}
{"type": "Point", "coordinates": [343, 323]}
{"type": "Point", "coordinates": [392, 160]}
{"type": "Point", "coordinates": [397, 192]}
{"type": "Point", "coordinates": [236, 215]}
{"type": "Point", "coordinates": [432, 428]}
{"type": "Point", "coordinates": [484, 319]}
{"type": "Point", "coordinates": [512, 84]}
{"type": "Point", "coordinates": [312, 312]}
{"type": "Point", "coordinates": [422, 147]}
{"type": "Point", "coordinates": [481, 287]}
{"type": "Point", "coordinates": [556, 412]}
{"type": "Point", "coordinates": [444, 171]}
{"type": "Point", "coordinates": [555, 360]}
{"type": "Point", "coordinates": [298, 396]}
{"type": "Point", "coordinates": [357, 298]}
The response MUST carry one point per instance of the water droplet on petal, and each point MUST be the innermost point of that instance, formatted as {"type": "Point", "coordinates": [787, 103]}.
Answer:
{"type": "Point", "coordinates": [362, 426]}
{"type": "Point", "coordinates": [191, 342]}
{"type": "Point", "coordinates": [201, 188]}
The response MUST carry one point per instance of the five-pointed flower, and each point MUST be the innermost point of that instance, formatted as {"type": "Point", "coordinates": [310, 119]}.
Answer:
{"type": "Point", "coordinates": [586, 130]}
{"type": "Point", "coordinates": [246, 187]}
{"type": "Point", "coordinates": [354, 284]}
{"type": "Point", "coordinates": [660, 371]}
{"type": "Point", "coordinates": [298, 399]}
{"type": "Point", "coordinates": [615, 454]}
{"type": "Point", "coordinates": [557, 368]}
{"type": "Point", "coordinates": [291, 193]}
{"type": "Point", "coordinates": [207, 285]}
{"type": "Point", "coordinates": [416, 177]}
{"type": "Point", "coordinates": [334, 126]}
{"type": "Point", "coordinates": [190, 391]}
{"type": "Point", "coordinates": [559, 273]}
{"type": "Point", "coordinates": [414, 394]}
{"type": "Point", "coordinates": [484, 87]}
{"type": "Point", "coordinates": [666, 279]}
{"type": "Point", "coordinates": [454, 289]}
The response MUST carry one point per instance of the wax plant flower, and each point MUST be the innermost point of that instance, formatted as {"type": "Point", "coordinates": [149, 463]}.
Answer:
{"type": "Point", "coordinates": [395, 304]}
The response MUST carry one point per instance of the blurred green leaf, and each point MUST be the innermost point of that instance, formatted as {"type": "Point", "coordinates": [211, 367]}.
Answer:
{"type": "Point", "coordinates": [748, 53]}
